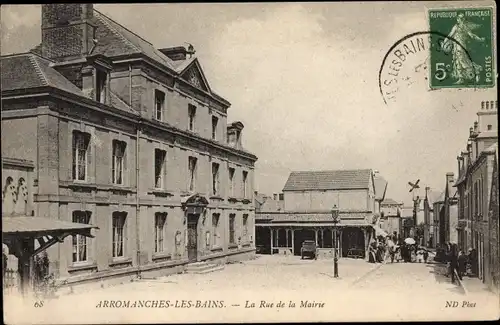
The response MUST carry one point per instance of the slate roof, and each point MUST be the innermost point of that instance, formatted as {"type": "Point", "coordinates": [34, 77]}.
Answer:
{"type": "Point", "coordinates": [380, 187]}
{"type": "Point", "coordinates": [389, 201]}
{"type": "Point", "coordinates": [433, 196]}
{"type": "Point", "coordinates": [124, 42]}
{"type": "Point", "coordinates": [328, 180]}
{"type": "Point", "coordinates": [29, 70]}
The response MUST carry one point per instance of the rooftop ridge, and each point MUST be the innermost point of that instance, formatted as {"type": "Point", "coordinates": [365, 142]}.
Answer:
{"type": "Point", "coordinates": [38, 70]}
{"type": "Point", "coordinates": [331, 170]}
{"type": "Point", "coordinates": [117, 33]}
{"type": "Point", "coordinates": [142, 38]}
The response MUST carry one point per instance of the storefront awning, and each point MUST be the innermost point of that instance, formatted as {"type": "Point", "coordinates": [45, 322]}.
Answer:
{"type": "Point", "coordinates": [306, 225]}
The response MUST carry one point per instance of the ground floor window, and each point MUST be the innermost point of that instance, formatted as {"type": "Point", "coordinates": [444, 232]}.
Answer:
{"type": "Point", "coordinates": [119, 222]}
{"type": "Point", "coordinates": [160, 225]}
{"type": "Point", "coordinates": [80, 244]}
{"type": "Point", "coordinates": [215, 229]}
{"type": "Point", "coordinates": [232, 218]}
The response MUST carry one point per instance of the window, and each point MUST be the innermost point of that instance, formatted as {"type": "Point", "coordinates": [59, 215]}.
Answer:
{"type": "Point", "coordinates": [231, 180]}
{"type": "Point", "coordinates": [192, 173]}
{"type": "Point", "coordinates": [119, 219]}
{"type": "Point", "coordinates": [192, 115]}
{"type": "Point", "coordinates": [160, 157]}
{"type": "Point", "coordinates": [476, 199]}
{"type": "Point", "coordinates": [160, 222]}
{"type": "Point", "coordinates": [159, 104]}
{"type": "Point", "coordinates": [101, 85]}
{"type": "Point", "coordinates": [490, 127]}
{"type": "Point", "coordinates": [118, 161]}
{"type": "Point", "coordinates": [215, 120]}
{"type": "Point", "coordinates": [245, 184]}
{"type": "Point", "coordinates": [215, 178]}
{"type": "Point", "coordinates": [215, 228]}
{"type": "Point", "coordinates": [80, 247]}
{"type": "Point", "coordinates": [231, 228]}
{"type": "Point", "coordinates": [81, 152]}
{"type": "Point", "coordinates": [245, 228]}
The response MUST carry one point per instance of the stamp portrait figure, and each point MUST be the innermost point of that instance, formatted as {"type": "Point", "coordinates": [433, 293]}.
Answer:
{"type": "Point", "coordinates": [463, 68]}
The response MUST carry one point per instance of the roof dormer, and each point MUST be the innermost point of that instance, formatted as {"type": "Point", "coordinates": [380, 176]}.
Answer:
{"type": "Point", "coordinates": [95, 78]}
{"type": "Point", "coordinates": [234, 134]}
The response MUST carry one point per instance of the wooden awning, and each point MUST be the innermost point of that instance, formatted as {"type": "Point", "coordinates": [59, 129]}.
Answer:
{"type": "Point", "coordinates": [45, 231]}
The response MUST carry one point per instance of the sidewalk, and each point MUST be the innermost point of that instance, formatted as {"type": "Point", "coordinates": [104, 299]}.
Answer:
{"type": "Point", "coordinates": [475, 286]}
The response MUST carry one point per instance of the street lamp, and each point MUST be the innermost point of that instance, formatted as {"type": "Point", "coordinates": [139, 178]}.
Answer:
{"type": "Point", "coordinates": [335, 217]}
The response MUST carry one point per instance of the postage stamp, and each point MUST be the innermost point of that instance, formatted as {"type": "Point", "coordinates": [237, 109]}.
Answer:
{"type": "Point", "coordinates": [461, 53]}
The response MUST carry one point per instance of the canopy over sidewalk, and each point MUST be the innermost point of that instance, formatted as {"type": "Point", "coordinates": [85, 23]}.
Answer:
{"type": "Point", "coordinates": [19, 233]}
{"type": "Point", "coordinates": [16, 229]}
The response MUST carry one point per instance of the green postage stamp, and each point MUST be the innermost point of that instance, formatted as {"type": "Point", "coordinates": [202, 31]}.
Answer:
{"type": "Point", "coordinates": [461, 53]}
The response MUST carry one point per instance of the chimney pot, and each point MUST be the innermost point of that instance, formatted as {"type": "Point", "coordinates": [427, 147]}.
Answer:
{"type": "Point", "coordinates": [275, 196]}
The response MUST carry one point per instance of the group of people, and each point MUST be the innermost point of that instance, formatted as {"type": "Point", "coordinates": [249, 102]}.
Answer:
{"type": "Point", "coordinates": [395, 248]}
{"type": "Point", "coordinates": [458, 262]}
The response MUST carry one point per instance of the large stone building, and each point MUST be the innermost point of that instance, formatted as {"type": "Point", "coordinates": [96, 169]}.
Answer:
{"type": "Point", "coordinates": [305, 212]}
{"type": "Point", "coordinates": [129, 138]}
{"type": "Point", "coordinates": [477, 187]}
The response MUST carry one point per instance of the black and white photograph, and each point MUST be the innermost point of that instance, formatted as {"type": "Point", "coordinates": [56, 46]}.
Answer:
{"type": "Point", "coordinates": [249, 162]}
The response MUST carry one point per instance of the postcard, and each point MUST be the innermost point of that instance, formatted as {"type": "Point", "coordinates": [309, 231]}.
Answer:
{"type": "Point", "coordinates": [250, 162]}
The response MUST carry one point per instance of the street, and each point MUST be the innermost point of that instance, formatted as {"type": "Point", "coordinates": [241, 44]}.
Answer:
{"type": "Point", "coordinates": [259, 289]}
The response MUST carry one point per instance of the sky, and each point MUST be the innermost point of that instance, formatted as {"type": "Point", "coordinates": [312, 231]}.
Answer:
{"type": "Point", "coordinates": [303, 79]}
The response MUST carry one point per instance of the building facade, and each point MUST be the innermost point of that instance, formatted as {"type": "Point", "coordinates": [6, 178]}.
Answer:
{"type": "Point", "coordinates": [477, 203]}
{"type": "Point", "coordinates": [390, 216]}
{"type": "Point", "coordinates": [308, 199]}
{"type": "Point", "coordinates": [129, 138]}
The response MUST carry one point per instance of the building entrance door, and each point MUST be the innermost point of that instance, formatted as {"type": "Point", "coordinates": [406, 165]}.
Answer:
{"type": "Point", "coordinates": [192, 237]}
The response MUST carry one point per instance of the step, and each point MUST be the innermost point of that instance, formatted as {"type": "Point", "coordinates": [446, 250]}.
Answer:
{"type": "Point", "coordinates": [204, 269]}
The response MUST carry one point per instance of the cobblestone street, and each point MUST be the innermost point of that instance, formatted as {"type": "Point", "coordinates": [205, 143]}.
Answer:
{"type": "Point", "coordinates": [364, 291]}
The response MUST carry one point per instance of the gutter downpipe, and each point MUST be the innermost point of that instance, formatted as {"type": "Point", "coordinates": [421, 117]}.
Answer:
{"type": "Point", "coordinates": [137, 177]}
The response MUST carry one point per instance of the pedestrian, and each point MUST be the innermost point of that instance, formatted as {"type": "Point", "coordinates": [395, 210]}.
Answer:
{"type": "Point", "coordinates": [371, 254]}
{"type": "Point", "coordinates": [473, 262]}
{"type": "Point", "coordinates": [426, 255]}
{"type": "Point", "coordinates": [462, 264]}
{"type": "Point", "coordinates": [453, 256]}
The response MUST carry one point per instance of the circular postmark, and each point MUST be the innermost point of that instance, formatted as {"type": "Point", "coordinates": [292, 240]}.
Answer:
{"type": "Point", "coordinates": [407, 63]}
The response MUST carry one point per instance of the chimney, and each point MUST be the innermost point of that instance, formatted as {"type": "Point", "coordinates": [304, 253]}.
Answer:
{"type": "Point", "coordinates": [275, 197]}
{"type": "Point", "coordinates": [471, 132]}
{"type": "Point", "coordinates": [475, 123]}
{"type": "Point", "coordinates": [67, 31]}
{"type": "Point", "coordinates": [450, 178]}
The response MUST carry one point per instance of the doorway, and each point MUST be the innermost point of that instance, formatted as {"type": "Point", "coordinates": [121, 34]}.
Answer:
{"type": "Point", "coordinates": [192, 237]}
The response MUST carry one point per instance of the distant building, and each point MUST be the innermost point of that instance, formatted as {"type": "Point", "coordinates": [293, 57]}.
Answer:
{"type": "Point", "coordinates": [390, 216]}
{"type": "Point", "coordinates": [430, 231]}
{"type": "Point", "coordinates": [477, 187]}
{"type": "Point", "coordinates": [308, 199]}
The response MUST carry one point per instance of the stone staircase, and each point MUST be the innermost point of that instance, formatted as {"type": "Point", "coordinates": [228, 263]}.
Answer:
{"type": "Point", "coordinates": [202, 268]}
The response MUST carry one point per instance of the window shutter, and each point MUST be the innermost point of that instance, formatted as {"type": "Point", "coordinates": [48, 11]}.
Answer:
{"type": "Point", "coordinates": [126, 176]}
{"type": "Point", "coordinates": [72, 169]}
{"type": "Point", "coordinates": [90, 157]}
